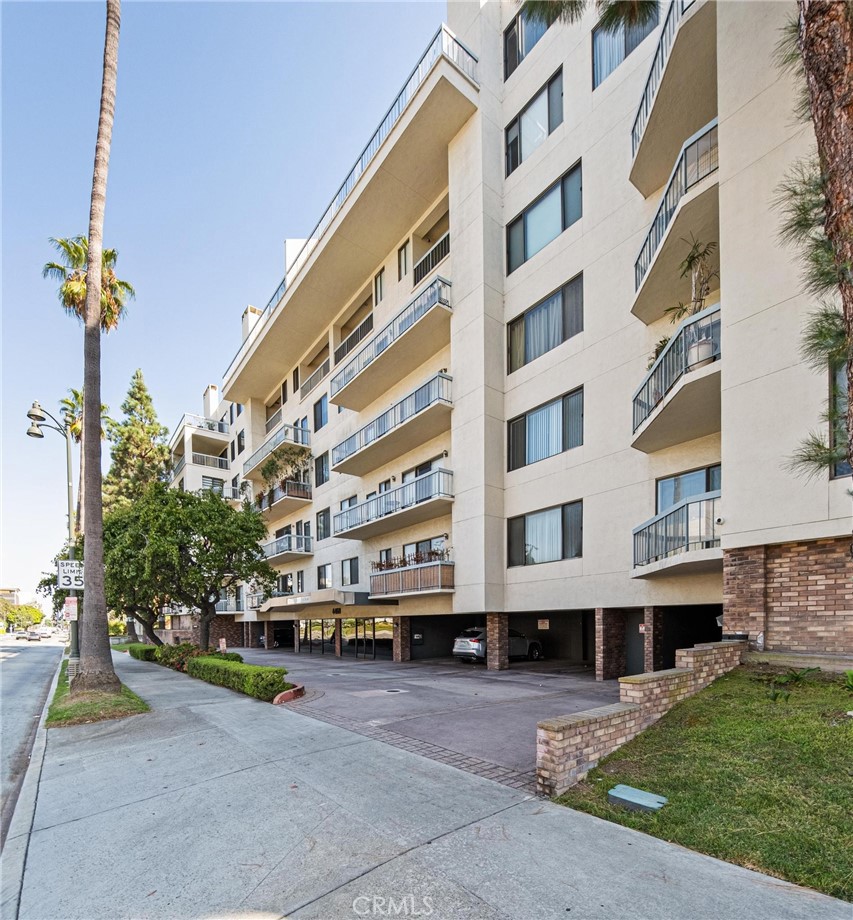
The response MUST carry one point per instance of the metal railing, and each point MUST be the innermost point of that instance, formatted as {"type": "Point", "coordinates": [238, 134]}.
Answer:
{"type": "Point", "coordinates": [438, 292]}
{"type": "Point", "coordinates": [435, 255]}
{"type": "Point", "coordinates": [428, 576]}
{"type": "Point", "coordinates": [273, 420]}
{"type": "Point", "coordinates": [205, 424]}
{"type": "Point", "coordinates": [290, 433]}
{"type": "Point", "coordinates": [293, 488]}
{"type": "Point", "coordinates": [219, 463]}
{"type": "Point", "coordinates": [364, 328]}
{"type": "Point", "coordinates": [176, 469]}
{"type": "Point", "coordinates": [435, 484]}
{"type": "Point", "coordinates": [659, 61]}
{"type": "Point", "coordinates": [695, 343]}
{"type": "Point", "coordinates": [318, 375]}
{"type": "Point", "coordinates": [433, 391]}
{"type": "Point", "coordinates": [699, 157]}
{"type": "Point", "coordinates": [253, 601]}
{"type": "Point", "coordinates": [690, 524]}
{"type": "Point", "coordinates": [290, 543]}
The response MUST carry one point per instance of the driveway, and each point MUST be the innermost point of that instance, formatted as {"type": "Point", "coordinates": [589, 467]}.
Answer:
{"type": "Point", "coordinates": [483, 721]}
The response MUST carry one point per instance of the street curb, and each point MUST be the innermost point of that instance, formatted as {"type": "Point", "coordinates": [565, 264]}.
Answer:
{"type": "Point", "coordinates": [14, 857]}
{"type": "Point", "coordinates": [288, 696]}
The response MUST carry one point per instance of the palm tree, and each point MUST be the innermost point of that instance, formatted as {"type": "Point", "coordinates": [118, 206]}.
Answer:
{"type": "Point", "coordinates": [70, 272]}
{"type": "Point", "coordinates": [96, 665]}
{"type": "Point", "coordinates": [71, 408]}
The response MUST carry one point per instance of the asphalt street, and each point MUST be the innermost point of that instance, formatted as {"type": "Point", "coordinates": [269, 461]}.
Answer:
{"type": "Point", "coordinates": [26, 670]}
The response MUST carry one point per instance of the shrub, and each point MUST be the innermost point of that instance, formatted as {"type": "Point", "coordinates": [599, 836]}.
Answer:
{"type": "Point", "coordinates": [263, 683]}
{"type": "Point", "coordinates": [117, 627]}
{"type": "Point", "coordinates": [141, 651]}
{"type": "Point", "coordinates": [177, 656]}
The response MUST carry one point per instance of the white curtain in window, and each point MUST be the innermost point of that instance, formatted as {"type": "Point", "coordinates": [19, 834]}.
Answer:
{"type": "Point", "coordinates": [543, 536]}
{"type": "Point", "coordinates": [544, 328]}
{"type": "Point", "coordinates": [544, 432]}
{"type": "Point", "coordinates": [608, 52]}
{"type": "Point", "coordinates": [534, 124]}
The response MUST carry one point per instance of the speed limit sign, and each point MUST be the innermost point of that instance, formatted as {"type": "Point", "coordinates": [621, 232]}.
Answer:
{"type": "Point", "coordinates": [69, 575]}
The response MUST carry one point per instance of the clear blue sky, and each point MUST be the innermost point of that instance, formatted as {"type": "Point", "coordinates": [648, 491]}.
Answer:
{"type": "Point", "coordinates": [235, 124]}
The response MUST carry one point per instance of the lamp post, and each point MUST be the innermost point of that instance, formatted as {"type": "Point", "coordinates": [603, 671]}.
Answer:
{"type": "Point", "coordinates": [38, 417]}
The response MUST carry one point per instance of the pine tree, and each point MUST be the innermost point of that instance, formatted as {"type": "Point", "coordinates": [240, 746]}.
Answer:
{"type": "Point", "coordinates": [140, 452]}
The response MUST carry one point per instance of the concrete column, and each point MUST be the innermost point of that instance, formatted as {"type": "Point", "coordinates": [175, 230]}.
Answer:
{"type": "Point", "coordinates": [653, 638]}
{"type": "Point", "coordinates": [402, 639]}
{"type": "Point", "coordinates": [297, 635]}
{"type": "Point", "coordinates": [268, 634]}
{"type": "Point", "coordinates": [497, 641]}
{"type": "Point", "coordinates": [338, 638]}
{"type": "Point", "coordinates": [609, 643]}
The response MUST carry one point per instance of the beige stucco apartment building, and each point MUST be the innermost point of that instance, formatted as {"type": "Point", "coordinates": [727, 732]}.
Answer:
{"type": "Point", "coordinates": [456, 362]}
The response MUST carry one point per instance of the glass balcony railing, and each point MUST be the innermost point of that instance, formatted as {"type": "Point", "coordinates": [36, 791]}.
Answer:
{"type": "Point", "coordinates": [178, 466]}
{"type": "Point", "coordinates": [361, 332]}
{"type": "Point", "coordinates": [699, 158]}
{"type": "Point", "coordinates": [205, 424]}
{"type": "Point", "coordinates": [444, 46]}
{"type": "Point", "coordinates": [435, 484]}
{"type": "Point", "coordinates": [432, 392]}
{"type": "Point", "coordinates": [219, 463]}
{"type": "Point", "coordinates": [287, 433]}
{"type": "Point", "coordinates": [290, 543]}
{"type": "Point", "coordinates": [690, 524]}
{"type": "Point", "coordinates": [437, 293]}
{"type": "Point", "coordinates": [272, 422]}
{"type": "Point", "coordinates": [696, 343]}
{"type": "Point", "coordinates": [439, 252]}
{"type": "Point", "coordinates": [289, 489]}
{"type": "Point", "coordinates": [318, 375]}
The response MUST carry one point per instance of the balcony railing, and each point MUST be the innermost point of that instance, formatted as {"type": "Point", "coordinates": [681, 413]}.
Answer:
{"type": "Point", "coordinates": [438, 253]}
{"type": "Point", "coordinates": [438, 292]}
{"type": "Point", "coordinates": [444, 46]}
{"type": "Point", "coordinates": [205, 424]}
{"type": "Point", "coordinates": [318, 375]}
{"type": "Point", "coordinates": [358, 334]}
{"type": "Point", "coordinates": [691, 524]}
{"type": "Point", "coordinates": [411, 579]}
{"type": "Point", "coordinates": [435, 484]}
{"type": "Point", "coordinates": [432, 392]}
{"type": "Point", "coordinates": [273, 420]}
{"type": "Point", "coordinates": [176, 469]}
{"type": "Point", "coordinates": [291, 489]}
{"type": "Point", "coordinates": [699, 158]}
{"type": "Point", "coordinates": [289, 433]}
{"type": "Point", "coordinates": [253, 601]}
{"type": "Point", "coordinates": [290, 543]}
{"type": "Point", "coordinates": [219, 463]}
{"type": "Point", "coordinates": [695, 343]}
{"type": "Point", "coordinates": [665, 43]}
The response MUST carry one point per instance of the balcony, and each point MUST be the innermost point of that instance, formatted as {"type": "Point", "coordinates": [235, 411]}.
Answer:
{"type": "Point", "coordinates": [679, 399]}
{"type": "Point", "coordinates": [285, 498]}
{"type": "Point", "coordinates": [218, 463]}
{"type": "Point", "coordinates": [422, 578]}
{"type": "Point", "coordinates": [416, 419]}
{"type": "Point", "coordinates": [287, 434]}
{"type": "Point", "coordinates": [426, 265]}
{"type": "Point", "coordinates": [403, 168]}
{"type": "Point", "coordinates": [422, 499]}
{"type": "Point", "coordinates": [178, 466]}
{"type": "Point", "coordinates": [311, 383]}
{"type": "Point", "coordinates": [690, 207]}
{"type": "Point", "coordinates": [680, 94]}
{"type": "Point", "coordinates": [273, 421]}
{"type": "Point", "coordinates": [683, 539]}
{"type": "Point", "coordinates": [356, 337]}
{"type": "Point", "coordinates": [414, 335]}
{"type": "Point", "coordinates": [289, 547]}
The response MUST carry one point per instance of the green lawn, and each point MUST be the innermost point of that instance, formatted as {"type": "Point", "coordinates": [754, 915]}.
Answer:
{"type": "Point", "coordinates": [122, 646]}
{"type": "Point", "coordinates": [91, 707]}
{"type": "Point", "coordinates": [767, 785]}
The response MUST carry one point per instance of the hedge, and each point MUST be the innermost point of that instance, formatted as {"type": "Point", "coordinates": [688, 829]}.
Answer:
{"type": "Point", "coordinates": [177, 656]}
{"type": "Point", "coordinates": [259, 681]}
{"type": "Point", "coordinates": [141, 651]}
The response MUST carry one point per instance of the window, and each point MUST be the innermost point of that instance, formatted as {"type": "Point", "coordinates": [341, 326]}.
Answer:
{"type": "Point", "coordinates": [838, 432]}
{"type": "Point", "coordinates": [239, 408]}
{"type": "Point", "coordinates": [285, 584]}
{"type": "Point", "coordinates": [609, 49]}
{"type": "Point", "coordinates": [235, 482]}
{"type": "Point", "coordinates": [385, 485]}
{"type": "Point", "coordinates": [547, 430]}
{"type": "Point", "coordinates": [403, 261]}
{"type": "Point", "coordinates": [233, 450]}
{"type": "Point", "coordinates": [423, 550]}
{"type": "Point", "coordinates": [321, 412]}
{"type": "Point", "coordinates": [321, 469]}
{"type": "Point", "coordinates": [241, 442]}
{"type": "Point", "coordinates": [546, 325]}
{"type": "Point", "coordinates": [349, 571]}
{"type": "Point", "coordinates": [348, 503]}
{"type": "Point", "coordinates": [284, 392]}
{"type": "Point", "coordinates": [379, 287]}
{"type": "Point", "coordinates": [231, 413]}
{"type": "Point", "coordinates": [552, 213]}
{"type": "Point", "coordinates": [519, 39]}
{"type": "Point", "coordinates": [385, 556]}
{"type": "Point", "coordinates": [295, 379]}
{"type": "Point", "coordinates": [673, 489]}
{"type": "Point", "coordinates": [324, 524]}
{"type": "Point", "coordinates": [210, 484]}
{"type": "Point", "coordinates": [238, 597]}
{"type": "Point", "coordinates": [324, 576]}
{"type": "Point", "coordinates": [546, 536]}
{"type": "Point", "coordinates": [300, 581]}
{"type": "Point", "coordinates": [540, 117]}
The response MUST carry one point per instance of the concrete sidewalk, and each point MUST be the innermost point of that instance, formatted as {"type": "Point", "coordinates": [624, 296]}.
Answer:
{"type": "Point", "coordinates": [215, 805]}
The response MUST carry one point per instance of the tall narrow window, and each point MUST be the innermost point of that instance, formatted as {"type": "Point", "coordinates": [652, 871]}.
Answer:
{"type": "Point", "coordinates": [519, 38]}
{"type": "Point", "coordinates": [295, 379]}
{"type": "Point", "coordinates": [324, 529]}
{"type": "Point", "coordinates": [609, 49]}
{"type": "Point", "coordinates": [321, 412]}
{"type": "Point", "coordinates": [537, 120]}
{"type": "Point", "coordinates": [349, 571]}
{"type": "Point", "coordinates": [321, 469]}
{"type": "Point", "coordinates": [379, 286]}
{"type": "Point", "coordinates": [241, 442]}
{"type": "Point", "coordinates": [403, 261]}
{"type": "Point", "coordinates": [324, 576]}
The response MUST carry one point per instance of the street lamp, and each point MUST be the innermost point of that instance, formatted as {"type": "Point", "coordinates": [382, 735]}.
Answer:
{"type": "Point", "coordinates": [38, 418]}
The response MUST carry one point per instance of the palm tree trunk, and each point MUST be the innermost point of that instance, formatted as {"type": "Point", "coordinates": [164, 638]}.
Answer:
{"type": "Point", "coordinates": [826, 44]}
{"type": "Point", "coordinates": [96, 665]}
{"type": "Point", "coordinates": [81, 504]}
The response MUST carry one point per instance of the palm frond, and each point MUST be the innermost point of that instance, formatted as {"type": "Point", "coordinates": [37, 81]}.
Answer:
{"type": "Point", "coordinates": [789, 59]}
{"type": "Point", "coordinates": [814, 456]}
{"type": "Point", "coordinates": [617, 14]}
{"type": "Point", "coordinates": [548, 12]}
{"type": "Point", "coordinates": [824, 340]}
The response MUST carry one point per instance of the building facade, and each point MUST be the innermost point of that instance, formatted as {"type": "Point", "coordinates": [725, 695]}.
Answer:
{"type": "Point", "coordinates": [537, 367]}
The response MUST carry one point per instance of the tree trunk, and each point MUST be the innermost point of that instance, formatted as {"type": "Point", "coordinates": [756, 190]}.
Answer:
{"type": "Point", "coordinates": [81, 504]}
{"type": "Point", "coordinates": [96, 664]}
{"type": "Point", "coordinates": [148, 629]}
{"type": "Point", "coordinates": [131, 628]}
{"type": "Point", "coordinates": [206, 617]}
{"type": "Point", "coordinates": [826, 44]}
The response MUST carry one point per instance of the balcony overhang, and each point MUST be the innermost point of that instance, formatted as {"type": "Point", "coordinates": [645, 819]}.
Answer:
{"type": "Point", "coordinates": [327, 603]}
{"type": "Point", "coordinates": [686, 98]}
{"type": "Point", "coordinates": [287, 504]}
{"type": "Point", "coordinates": [289, 555]}
{"type": "Point", "coordinates": [697, 214]}
{"type": "Point", "coordinates": [416, 513]}
{"type": "Point", "coordinates": [690, 562]}
{"type": "Point", "coordinates": [416, 430]}
{"type": "Point", "coordinates": [405, 177]}
{"type": "Point", "coordinates": [690, 410]}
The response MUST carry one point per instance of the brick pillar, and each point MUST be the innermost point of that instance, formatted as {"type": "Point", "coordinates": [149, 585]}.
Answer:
{"type": "Point", "coordinates": [497, 641]}
{"type": "Point", "coordinates": [297, 636]}
{"type": "Point", "coordinates": [653, 639]}
{"type": "Point", "coordinates": [744, 591]}
{"type": "Point", "coordinates": [268, 634]}
{"type": "Point", "coordinates": [609, 643]}
{"type": "Point", "coordinates": [338, 638]}
{"type": "Point", "coordinates": [402, 639]}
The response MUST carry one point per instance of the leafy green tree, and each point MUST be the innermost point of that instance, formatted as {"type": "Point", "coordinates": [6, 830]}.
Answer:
{"type": "Point", "coordinates": [22, 616]}
{"type": "Point", "coordinates": [71, 408]}
{"type": "Point", "coordinates": [140, 452]}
